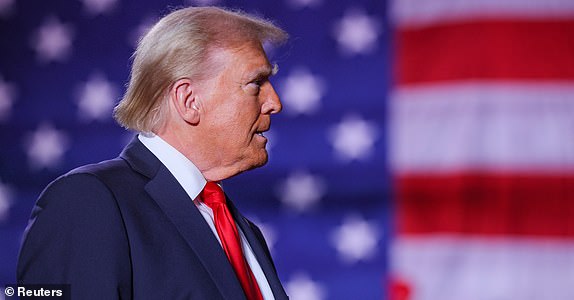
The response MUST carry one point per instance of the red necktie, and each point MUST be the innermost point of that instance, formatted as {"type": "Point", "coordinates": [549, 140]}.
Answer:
{"type": "Point", "coordinates": [212, 195]}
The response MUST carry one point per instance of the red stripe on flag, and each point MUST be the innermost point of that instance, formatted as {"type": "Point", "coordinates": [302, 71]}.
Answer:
{"type": "Point", "coordinates": [486, 204]}
{"type": "Point", "coordinates": [512, 50]}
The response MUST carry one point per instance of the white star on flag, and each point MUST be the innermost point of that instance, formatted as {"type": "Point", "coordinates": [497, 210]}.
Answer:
{"type": "Point", "coordinates": [6, 7]}
{"type": "Point", "coordinates": [7, 95]}
{"type": "Point", "coordinates": [97, 97]}
{"type": "Point", "coordinates": [299, 4]}
{"type": "Point", "coordinates": [355, 240]}
{"type": "Point", "coordinates": [5, 201]}
{"type": "Point", "coordinates": [53, 41]}
{"type": "Point", "coordinates": [301, 287]}
{"type": "Point", "coordinates": [301, 91]}
{"type": "Point", "coordinates": [45, 147]}
{"type": "Point", "coordinates": [301, 191]}
{"type": "Point", "coordinates": [357, 33]}
{"type": "Point", "coordinates": [98, 7]}
{"type": "Point", "coordinates": [353, 138]}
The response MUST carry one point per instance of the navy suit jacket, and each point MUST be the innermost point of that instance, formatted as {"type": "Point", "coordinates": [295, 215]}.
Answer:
{"type": "Point", "coordinates": [126, 229]}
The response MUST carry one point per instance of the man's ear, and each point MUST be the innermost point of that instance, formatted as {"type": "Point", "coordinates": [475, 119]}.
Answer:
{"type": "Point", "coordinates": [183, 98]}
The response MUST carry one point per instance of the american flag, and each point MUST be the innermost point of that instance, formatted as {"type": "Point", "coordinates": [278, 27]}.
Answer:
{"type": "Point", "coordinates": [481, 147]}
{"type": "Point", "coordinates": [425, 150]}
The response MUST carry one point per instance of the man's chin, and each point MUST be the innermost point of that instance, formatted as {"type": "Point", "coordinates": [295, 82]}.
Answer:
{"type": "Point", "coordinates": [261, 160]}
{"type": "Point", "coordinates": [254, 160]}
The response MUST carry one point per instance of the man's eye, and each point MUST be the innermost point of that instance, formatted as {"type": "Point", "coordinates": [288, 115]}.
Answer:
{"type": "Point", "coordinates": [254, 87]}
{"type": "Point", "coordinates": [257, 82]}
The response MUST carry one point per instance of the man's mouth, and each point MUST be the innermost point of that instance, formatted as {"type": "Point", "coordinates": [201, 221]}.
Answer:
{"type": "Point", "coordinates": [261, 128]}
{"type": "Point", "coordinates": [261, 131]}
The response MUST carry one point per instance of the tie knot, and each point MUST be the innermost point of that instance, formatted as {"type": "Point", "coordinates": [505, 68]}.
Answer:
{"type": "Point", "coordinates": [212, 194]}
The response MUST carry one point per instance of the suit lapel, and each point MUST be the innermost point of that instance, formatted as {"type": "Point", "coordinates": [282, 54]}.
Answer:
{"type": "Point", "coordinates": [260, 253]}
{"type": "Point", "coordinates": [179, 208]}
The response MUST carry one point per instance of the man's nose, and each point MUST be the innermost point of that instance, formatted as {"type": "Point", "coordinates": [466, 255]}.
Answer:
{"type": "Point", "coordinates": [272, 103]}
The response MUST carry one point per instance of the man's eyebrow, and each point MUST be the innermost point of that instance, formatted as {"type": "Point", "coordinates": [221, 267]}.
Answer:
{"type": "Point", "coordinates": [266, 71]}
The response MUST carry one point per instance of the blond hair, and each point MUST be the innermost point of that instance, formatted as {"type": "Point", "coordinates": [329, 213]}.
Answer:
{"type": "Point", "coordinates": [178, 46]}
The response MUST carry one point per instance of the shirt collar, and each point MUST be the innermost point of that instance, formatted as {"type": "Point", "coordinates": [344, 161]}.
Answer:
{"type": "Point", "coordinates": [184, 171]}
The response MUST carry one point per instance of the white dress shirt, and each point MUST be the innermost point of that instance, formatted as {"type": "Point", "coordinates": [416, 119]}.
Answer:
{"type": "Point", "coordinates": [192, 181]}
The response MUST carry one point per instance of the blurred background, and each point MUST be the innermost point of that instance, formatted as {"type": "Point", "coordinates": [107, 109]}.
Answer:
{"type": "Point", "coordinates": [425, 150]}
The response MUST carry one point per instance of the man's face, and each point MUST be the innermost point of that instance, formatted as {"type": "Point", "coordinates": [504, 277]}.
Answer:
{"type": "Point", "coordinates": [238, 108]}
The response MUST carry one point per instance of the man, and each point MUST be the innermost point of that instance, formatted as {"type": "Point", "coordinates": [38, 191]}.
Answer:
{"type": "Point", "coordinates": [154, 223]}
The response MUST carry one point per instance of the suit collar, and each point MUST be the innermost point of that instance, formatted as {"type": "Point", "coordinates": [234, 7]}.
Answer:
{"type": "Point", "coordinates": [140, 158]}
{"type": "Point", "coordinates": [176, 204]}
{"type": "Point", "coordinates": [164, 189]}
{"type": "Point", "coordinates": [184, 171]}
